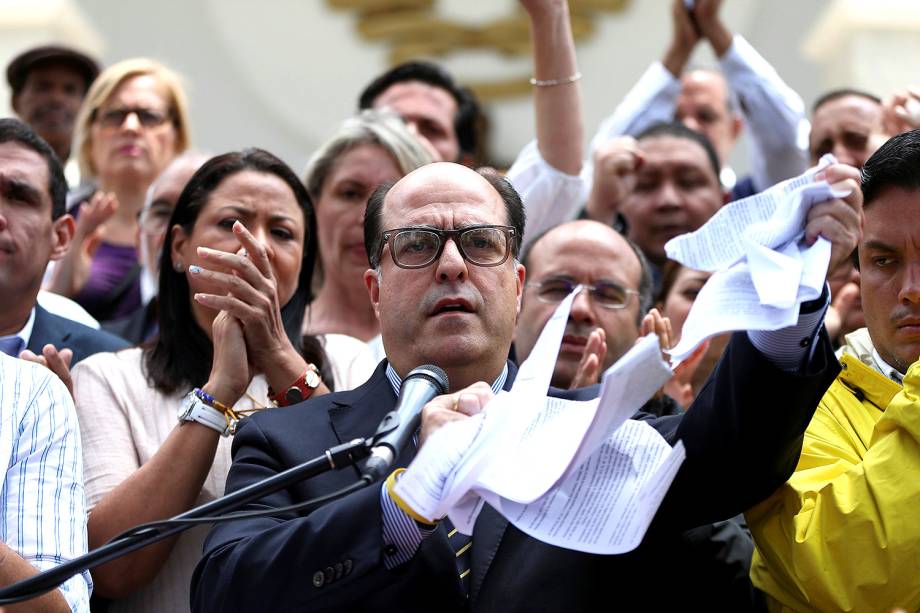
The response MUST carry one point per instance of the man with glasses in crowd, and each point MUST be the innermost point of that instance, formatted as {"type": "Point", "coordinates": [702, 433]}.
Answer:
{"type": "Point", "coordinates": [446, 285]}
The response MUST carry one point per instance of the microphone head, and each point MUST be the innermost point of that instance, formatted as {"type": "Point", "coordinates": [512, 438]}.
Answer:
{"type": "Point", "coordinates": [432, 373]}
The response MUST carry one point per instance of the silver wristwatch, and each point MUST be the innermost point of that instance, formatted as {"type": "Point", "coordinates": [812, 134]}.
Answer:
{"type": "Point", "coordinates": [194, 409]}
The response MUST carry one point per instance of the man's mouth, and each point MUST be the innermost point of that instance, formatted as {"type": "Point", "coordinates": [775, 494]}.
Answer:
{"type": "Point", "coordinates": [909, 325]}
{"type": "Point", "coordinates": [573, 343]}
{"type": "Point", "coordinates": [447, 306]}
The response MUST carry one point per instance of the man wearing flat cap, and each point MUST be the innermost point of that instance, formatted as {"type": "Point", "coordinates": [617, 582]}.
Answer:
{"type": "Point", "coordinates": [48, 85]}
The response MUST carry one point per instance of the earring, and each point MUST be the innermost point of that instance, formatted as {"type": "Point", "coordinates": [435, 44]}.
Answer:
{"type": "Point", "coordinates": [179, 266]}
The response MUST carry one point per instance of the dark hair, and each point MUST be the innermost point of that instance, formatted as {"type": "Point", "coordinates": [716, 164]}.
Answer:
{"type": "Point", "coordinates": [373, 230]}
{"type": "Point", "coordinates": [181, 354]}
{"type": "Point", "coordinates": [896, 163]}
{"type": "Point", "coordinates": [16, 131]}
{"type": "Point", "coordinates": [843, 92]}
{"type": "Point", "coordinates": [679, 130]}
{"type": "Point", "coordinates": [466, 121]}
{"type": "Point", "coordinates": [646, 283]}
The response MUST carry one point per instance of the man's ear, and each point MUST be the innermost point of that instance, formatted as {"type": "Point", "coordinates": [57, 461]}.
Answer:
{"type": "Point", "coordinates": [63, 228]}
{"type": "Point", "coordinates": [14, 104]}
{"type": "Point", "coordinates": [372, 280]}
{"type": "Point", "coordinates": [737, 126]}
{"type": "Point", "coordinates": [521, 274]}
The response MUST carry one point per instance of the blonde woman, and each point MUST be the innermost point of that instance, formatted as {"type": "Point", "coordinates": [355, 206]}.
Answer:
{"type": "Point", "coordinates": [133, 123]}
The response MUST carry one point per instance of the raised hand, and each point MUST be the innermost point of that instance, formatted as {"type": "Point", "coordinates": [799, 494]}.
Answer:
{"type": "Point", "coordinates": [589, 369]}
{"type": "Point", "coordinates": [451, 407]}
{"type": "Point", "coordinates": [684, 37]}
{"type": "Point", "coordinates": [838, 220]}
{"type": "Point", "coordinates": [230, 372]}
{"type": "Point", "coordinates": [680, 386]}
{"type": "Point", "coordinates": [707, 17]}
{"type": "Point", "coordinates": [615, 165]}
{"type": "Point", "coordinates": [901, 111]}
{"type": "Point", "coordinates": [56, 361]}
{"type": "Point", "coordinates": [73, 270]}
{"type": "Point", "coordinates": [250, 295]}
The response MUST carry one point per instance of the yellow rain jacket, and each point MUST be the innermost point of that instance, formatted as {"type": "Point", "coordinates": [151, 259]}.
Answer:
{"type": "Point", "coordinates": [843, 534]}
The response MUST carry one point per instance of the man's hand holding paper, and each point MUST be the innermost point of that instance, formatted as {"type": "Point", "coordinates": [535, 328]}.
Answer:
{"type": "Point", "coordinates": [838, 220]}
{"type": "Point", "coordinates": [770, 252]}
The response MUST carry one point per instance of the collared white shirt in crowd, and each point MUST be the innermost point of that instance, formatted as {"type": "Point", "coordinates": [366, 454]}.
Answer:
{"type": "Point", "coordinates": [43, 515]}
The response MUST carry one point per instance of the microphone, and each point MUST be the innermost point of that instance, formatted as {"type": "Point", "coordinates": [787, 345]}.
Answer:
{"type": "Point", "coordinates": [419, 387]}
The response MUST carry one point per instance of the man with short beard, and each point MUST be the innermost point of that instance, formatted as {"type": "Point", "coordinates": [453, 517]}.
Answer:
{"type": "Point", "coordinates": [48, 85]}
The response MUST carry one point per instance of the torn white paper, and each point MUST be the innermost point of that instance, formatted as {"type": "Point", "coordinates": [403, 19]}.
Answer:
{"type": "Point", "coordinates": [762, 269]}
{"type": "Point", "coordinates": [526, 446]}
{"type": "Point", "coordinates": [607, 503]}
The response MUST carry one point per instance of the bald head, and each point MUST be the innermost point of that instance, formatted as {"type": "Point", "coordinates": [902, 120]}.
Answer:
{"type": "Point", "coordinates": [704, 105]}
{"type": "Point", "coordinates": [162, 196]}
{"type": "Point", "coordinates": [440, 185]}
{"type": "Point", "coordinates": [592, 254]}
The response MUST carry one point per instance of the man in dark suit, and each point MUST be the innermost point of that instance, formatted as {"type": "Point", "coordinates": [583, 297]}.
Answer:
{"type": "Point", "coordinates": [34, 229]}
{"type": "Point", "coordinates": [448, 292]}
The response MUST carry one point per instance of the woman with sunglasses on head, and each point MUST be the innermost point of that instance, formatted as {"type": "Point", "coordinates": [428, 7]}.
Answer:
{"type": "Point", "coordinates": [235, 277]}
{"type": "Point", "coordinates": [132, 124]}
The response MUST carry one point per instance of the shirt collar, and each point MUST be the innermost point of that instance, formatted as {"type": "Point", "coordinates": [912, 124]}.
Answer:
{"type": "Point", "coordinates": [26, 331]}
{"type": "Point", "coordinates": [396, 381]}
{"type": "Point", "coordinates": [886, 368]}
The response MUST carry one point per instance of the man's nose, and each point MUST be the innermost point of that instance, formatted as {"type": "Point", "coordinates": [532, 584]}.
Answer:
{"type": "Point", "coordinates": [668, 195]}
{"type": "Point", "coordinates": [583, 308]}
{"type": "Point", "coordinates": [691, 122]}
{"type": "Point", "coordinates": [910, 286]}
{"type": "Point", "coordinates": [451, 265]}
{"type": "Point", "coordinates": [844, 155]}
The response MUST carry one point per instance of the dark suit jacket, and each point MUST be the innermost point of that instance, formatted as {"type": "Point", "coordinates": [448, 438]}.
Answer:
{"type": "Point", "coordinates": [136, 328]}
{"type": "Point", "coordinates": [66, 333]}
{"type": "Point", "coordinates": [743, 437]}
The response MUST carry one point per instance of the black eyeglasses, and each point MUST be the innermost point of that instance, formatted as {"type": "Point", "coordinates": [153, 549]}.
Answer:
{"type": "Point", "coordinates": [148, 118]}
{"type": "Point", "coordinates": [605, 294]}
{"type": "Point", "coordinates": [419, 247]}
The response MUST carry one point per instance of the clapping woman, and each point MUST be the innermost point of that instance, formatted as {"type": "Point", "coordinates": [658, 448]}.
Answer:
{"type": "Point", "coordinates": [235, 279]}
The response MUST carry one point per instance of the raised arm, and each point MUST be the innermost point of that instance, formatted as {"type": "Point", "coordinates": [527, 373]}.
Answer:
{"type": "Point", "coordinates": [546, 172]}
{"type": "Point", "coordinates": [557, 92]}
{"type": "Point", "coordinates": [653, 98]}
{"type": "Point", "coordinates": [773, 112]}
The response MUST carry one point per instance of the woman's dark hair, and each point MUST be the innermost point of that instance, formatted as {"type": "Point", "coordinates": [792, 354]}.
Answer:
{"type": "Point", "coordinates": [669, 273]}
{"type": "Point", "coordinates": [181, 354]}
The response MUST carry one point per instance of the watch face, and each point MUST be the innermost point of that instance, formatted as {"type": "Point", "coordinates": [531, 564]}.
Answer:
{"type": "Point", "coordinates": [293, 395]}
{"type": "Point", "coordinates": [185, 409]}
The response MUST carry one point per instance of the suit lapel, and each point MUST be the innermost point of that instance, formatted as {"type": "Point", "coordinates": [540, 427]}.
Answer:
{"type": "Point", "coordinates": [357, 413]}
{"type": "Point", "coordinates": [46, 330]}
{"type": "Point", "coordinates": [487, 537]}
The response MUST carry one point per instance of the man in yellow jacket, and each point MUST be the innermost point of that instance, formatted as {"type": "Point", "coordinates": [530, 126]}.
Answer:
{"type": "Point", "coordinates": [843, 534]}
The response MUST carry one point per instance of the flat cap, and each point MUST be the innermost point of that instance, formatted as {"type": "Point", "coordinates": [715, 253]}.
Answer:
{"type": "Point", "coordinates": [19, 68]}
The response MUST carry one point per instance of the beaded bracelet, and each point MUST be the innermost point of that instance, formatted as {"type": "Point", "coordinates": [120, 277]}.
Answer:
{"type": "Point", "coordinates": [552, 82]}
{"type": "Point", "coordinates": [211, 401]}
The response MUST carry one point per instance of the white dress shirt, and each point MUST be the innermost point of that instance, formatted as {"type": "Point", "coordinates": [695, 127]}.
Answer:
{"type": "Point", "coordinates": [44, 514]}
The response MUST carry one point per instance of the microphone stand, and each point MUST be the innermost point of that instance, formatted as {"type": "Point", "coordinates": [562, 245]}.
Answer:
{"type": "Point", "coordinates": [338, 457]}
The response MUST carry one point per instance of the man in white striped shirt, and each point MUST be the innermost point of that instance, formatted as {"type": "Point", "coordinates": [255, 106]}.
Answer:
{"type": "Point", "coordinates": [43, 520]}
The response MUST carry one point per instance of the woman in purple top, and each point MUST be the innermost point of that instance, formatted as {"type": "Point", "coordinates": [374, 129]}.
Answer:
{"type": "Point", "coordinates": [132, 124]}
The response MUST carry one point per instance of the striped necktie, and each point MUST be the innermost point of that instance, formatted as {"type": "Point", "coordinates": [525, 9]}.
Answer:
{"type": "Point", "coordinates": [460, 543]}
